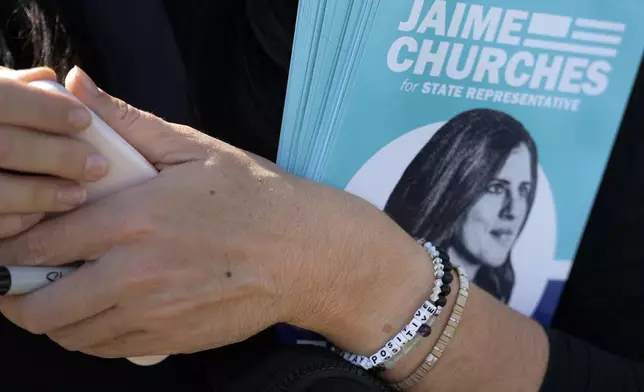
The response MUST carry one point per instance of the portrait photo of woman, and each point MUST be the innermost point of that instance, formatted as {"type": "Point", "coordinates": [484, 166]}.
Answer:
{"type": "Point", "coordinates": [470, 189]}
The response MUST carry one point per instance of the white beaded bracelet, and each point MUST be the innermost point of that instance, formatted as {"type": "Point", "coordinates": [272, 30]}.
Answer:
{"type": "Point", "coordinates": [420, 324]}
{"type": "Point", "coordinates": [444, 340]}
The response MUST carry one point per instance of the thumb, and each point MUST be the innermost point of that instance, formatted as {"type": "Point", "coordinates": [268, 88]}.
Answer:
{"type": "Point", "coordinates": [159, 141]}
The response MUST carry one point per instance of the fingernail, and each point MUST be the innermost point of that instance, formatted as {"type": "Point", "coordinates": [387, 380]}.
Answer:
{"type": "Point", "coordinates": [79, 118]}
{"type": "Point", "coordinates": [96, 167]}
{"type": "Point", "coordinates": [86, 81]}
{"type": "Point", "coordinates": [72, 196]}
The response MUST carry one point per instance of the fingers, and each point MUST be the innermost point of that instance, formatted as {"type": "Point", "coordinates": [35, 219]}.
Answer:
{"type": "Point", "coordinates": [100, 329]}
{"type": "Point", "coordinates": [36, 152]}
{"type": "Point", "coordinates": [11, 225]}
{"type": "Point", "coordinates": [31, 194]}
{"type": "Point", "coordinates": [23, 111]}
{"type": "Point", "coordinates": [133, 344]}
{"type": "Point", "coordinates": [29, 75]}
{"type": "Point", "coordinates": [31, 107]}
{"type": "Point", "coordinates": [157, 140]}
{"type": "Point", "coordinates": [77, 235]}
{"type": "Point", "coordinates": [78, 296]}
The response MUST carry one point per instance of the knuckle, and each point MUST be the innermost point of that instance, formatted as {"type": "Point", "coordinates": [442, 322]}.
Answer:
{"type": "Point", "coordinates": [35, 248]}
{"type": "Point", "coordinates": [126, 113]}
{"type": "Point", "coordinates": [142, 277]}
{"type": "Point", "coordinates": [136, 227]}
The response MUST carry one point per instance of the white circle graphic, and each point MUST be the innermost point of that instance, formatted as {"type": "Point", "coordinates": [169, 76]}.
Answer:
{"type": "Point", "coordinates": [532, 255]}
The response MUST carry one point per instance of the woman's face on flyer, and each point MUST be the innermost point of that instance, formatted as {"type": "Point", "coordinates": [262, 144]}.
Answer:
{"type": "Point", "coordinates": [492, 225]}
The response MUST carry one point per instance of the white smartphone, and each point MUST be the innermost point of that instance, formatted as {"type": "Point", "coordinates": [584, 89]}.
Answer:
{"type": "Point", "coordinates": [127, 168]}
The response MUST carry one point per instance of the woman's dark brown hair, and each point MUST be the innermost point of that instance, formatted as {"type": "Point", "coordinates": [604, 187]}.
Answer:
{"type": "Point", "coordinates": [34, 34]}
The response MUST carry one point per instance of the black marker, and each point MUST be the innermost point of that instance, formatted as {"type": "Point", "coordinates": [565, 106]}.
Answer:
{"type": "Point", "coordinates": [23, 280]}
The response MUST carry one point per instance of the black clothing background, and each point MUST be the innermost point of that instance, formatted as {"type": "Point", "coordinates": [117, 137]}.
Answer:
{"type": "Point", "coordinates": [143, 52]}
{"type": "Point", "coordinates": [603, 301]}
{"type": "Point", "coordinates": [133, 55]}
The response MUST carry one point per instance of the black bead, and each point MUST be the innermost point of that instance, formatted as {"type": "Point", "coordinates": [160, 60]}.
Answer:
{"type": "Point", "coordinates": [442, 301]}
{"type": "Point", "coordinates": [443, 254]}
{"type": "Point", "coordinates": [447, 266]}
{"type": "Point", "coordinates": [445, 289]}
{"type": "Point", "coordinates": [425, 330]}
{"type": "Point", "coordinates": [447, 277]}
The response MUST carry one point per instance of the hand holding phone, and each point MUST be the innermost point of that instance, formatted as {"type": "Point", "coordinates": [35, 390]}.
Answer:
{"type": "Point", "coordinates": [127, 167]}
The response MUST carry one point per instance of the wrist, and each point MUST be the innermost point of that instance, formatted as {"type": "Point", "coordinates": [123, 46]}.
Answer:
{"type": "Point", "coordinates": [410, 362]}
{"type": "Point", "coordinates": [368, 276]}
{"type": "Point", "coordinates": [380, 281]}
{"type": "Point", "coordinates": [374, 314]}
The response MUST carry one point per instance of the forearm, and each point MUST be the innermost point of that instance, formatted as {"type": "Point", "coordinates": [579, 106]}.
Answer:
{"type": "Point", "coordinates": [384, 277]}
{"type": "Point", "coordinates": [494, 348]}
{"type": "Point", "coordinates": [381, 276]}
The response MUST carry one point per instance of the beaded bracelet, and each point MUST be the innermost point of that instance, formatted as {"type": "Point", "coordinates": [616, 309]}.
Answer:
{"type": "Point", "coordinates": [445, 276]}
{"type": "Point", "coordinates": [446, 336]}
{"type": "Point", "coordinates": [420, 325]}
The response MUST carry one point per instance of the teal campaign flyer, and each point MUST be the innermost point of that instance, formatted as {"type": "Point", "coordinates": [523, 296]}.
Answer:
{"type": "Point", "coordinates": [483, 126]}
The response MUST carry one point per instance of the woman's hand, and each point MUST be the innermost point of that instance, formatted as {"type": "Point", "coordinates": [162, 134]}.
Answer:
{"type": "Point", "coordinates": [219, 246]}
{"type": "Point", "coordinates": [34, 138]}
